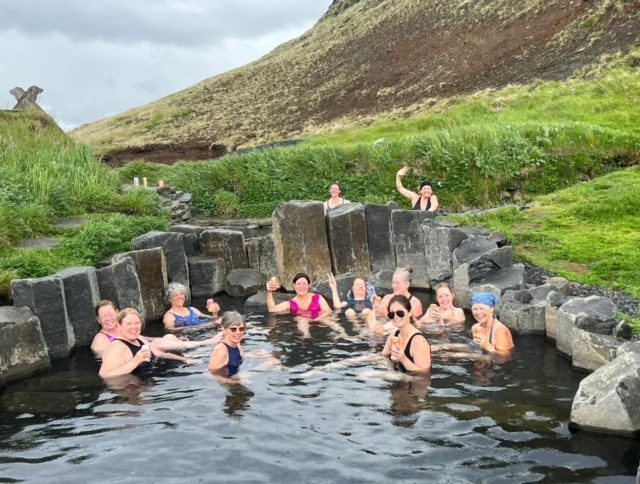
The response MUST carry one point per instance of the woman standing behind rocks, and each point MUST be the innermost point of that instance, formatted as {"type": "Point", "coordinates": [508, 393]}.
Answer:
{"type": "Point", "coordinates": [425, 200]}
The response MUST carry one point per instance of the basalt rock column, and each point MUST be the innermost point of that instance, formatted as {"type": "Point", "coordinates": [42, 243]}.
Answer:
{"type": "Point", "coordinates": [347, 234]}
{"type": "Point", "coordinates": [301, 241]}
{"type": "Point", "coordinates": [261, 253]}
{"type": "Point", "coordinates": [119, 283]}
{"type": "Point", "coordinates": [379, 237]}
{"type": "Point", "coordinates": [81, 294]}
{"type": "Point", "coordinates": [408, 240]}
{"type": "Point", "coordinates": [227, 245]}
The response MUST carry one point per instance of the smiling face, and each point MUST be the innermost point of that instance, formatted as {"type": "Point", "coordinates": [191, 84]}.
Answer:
{"type": "Point", "coordinates": [482, 313]}
{"type": "Point", "coordinates": [177, 299]}
{"type": "Point", "coordinates": [359, 289]}
{"type": "Point", "coordinates": [130, 327]}
{"type": "Point", "coordinates": [107, 319]}
{"type": "Point", "coordinates": [232, 334]}
{"type": "Point", "coordinates": [400, 321]}
{"type": "Point", "coordinates": [301, 286]}
{"type": "Point", "coordinates": [334, 190]}
{"type": "Point", "coordinates": [399, 285]}
{"type": "Point", "coordinates": [444, 296]}
{"type": "Point", "coordinates": [426, 191]}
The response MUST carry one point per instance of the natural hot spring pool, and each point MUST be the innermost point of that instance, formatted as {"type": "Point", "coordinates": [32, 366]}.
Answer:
{"type": "Point", "coordinates": [472, 424]}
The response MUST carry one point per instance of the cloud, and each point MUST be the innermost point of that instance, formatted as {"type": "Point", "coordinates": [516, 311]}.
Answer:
{"type": "Point", "coordinates": [164, 22]}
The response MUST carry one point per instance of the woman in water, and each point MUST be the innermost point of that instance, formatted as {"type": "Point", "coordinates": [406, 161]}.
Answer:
{"type": "Point", "coordinates": [335, 199]}
{"type": "Point", "coordinates": [358, 300]}
{"type": "Point", "coordinates": [227, 357]}
{"type": "Point", "coordinates": [304, 301]}
{"type": "Point", "coordinates": [425, 201]}
{"type": "Point", "coordinates": [444, 312]}
{"type": "Point", "coordinates": [107, 313]}
{"type": "Point", "coordinates": [400, 283]}
{"type": "Point", "coordinates": [130, 352]}
{"type": "Point", "coordinates": [406, 346]}
{"type": "Point", "coordinates": [179, 317]}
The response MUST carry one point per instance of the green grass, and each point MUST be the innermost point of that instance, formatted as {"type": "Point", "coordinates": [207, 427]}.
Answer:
{"type": "Point", "coordinates": [588, 233]}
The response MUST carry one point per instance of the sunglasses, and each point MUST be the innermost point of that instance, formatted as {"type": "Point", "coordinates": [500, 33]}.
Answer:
{"type": "Point", "coordinates": [392, 314]}
{"type": "Point", "coordinates": [233, 329]}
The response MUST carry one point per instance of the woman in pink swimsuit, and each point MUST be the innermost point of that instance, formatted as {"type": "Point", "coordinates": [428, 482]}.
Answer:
{"type": "Point", "coordinates": [303, 301]}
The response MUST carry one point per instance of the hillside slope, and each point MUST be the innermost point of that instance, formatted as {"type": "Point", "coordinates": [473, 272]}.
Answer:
{"type": "Point", "coordinates": [370, 56]}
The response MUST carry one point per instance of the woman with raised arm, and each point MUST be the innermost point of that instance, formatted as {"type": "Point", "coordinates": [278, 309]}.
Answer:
{"type": "Point", "coordinates": [425, 200]}
{"type": "Point", "coordinates": [302, 302]}
{"type": "Point", "coordinates": [359, 297]}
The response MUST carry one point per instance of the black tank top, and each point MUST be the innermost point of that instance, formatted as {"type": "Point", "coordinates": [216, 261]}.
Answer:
{"type": "Point", "coordinates": [407, 348]}
{"type": "Point", "coordinates": [417, 205]}
{"type": "Point", "coordinates": [144, 367]}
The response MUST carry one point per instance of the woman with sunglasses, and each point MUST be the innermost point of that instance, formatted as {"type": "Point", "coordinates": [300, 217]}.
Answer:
{"type": "Point", "coordinates": [406, 346]}
{"type": "Point", "coordinates": [227, 357]}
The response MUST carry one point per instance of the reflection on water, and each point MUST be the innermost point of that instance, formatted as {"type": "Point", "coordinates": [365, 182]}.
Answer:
{"type": "Point", "coordinates": [332, 412]}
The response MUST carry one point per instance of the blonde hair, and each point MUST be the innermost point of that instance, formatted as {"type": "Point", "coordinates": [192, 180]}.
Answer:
{"type": "Point", "coordinates": [405, 272]}
{"type": "Point", "coordinates": [443, 285]}
{"type": "Point", "coordinates": [126, 312]}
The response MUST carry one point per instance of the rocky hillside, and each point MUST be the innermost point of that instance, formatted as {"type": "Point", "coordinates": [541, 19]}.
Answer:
{"type": "Point", "coordinates": [366, 57]}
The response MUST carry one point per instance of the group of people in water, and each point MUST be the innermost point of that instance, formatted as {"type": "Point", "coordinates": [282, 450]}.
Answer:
{"type": "Point", "coordinates": [398, 315]}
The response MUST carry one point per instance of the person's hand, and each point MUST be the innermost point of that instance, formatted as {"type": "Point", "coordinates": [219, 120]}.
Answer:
{"type": "Point", "coordinates": [376, 301]}
{"type": "Point", "coordinates": [332, 282]}
{"type": "Point", "coordinates": [434, 312]}
{"type": "Point", "coordinates": [482, 341]}
{"type": "Point", "coordinates": [142, 356]}
{"type": "Point", "coordinates": [396, 354]}
{"type": "Point", "coordinates": [183, 338]}
{"type": "Point", "coordinates": [216, 308]}
{"type": "Point", "coordinates": [403, 171]}
{"type": "Point", "coordinates": [271, 286]}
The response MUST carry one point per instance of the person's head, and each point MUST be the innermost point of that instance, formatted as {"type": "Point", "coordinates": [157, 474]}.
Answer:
{"type": "Point", "coordinates": [401, 280]}
{"type": "Point", "coordinates": [335, 190]}
{"type": "Point", "coordinates": [359, 289]}
{"type": "Point", "coordinates": [399, 311]}
{"type": "Point", "coordinates": [233, 326]}
{"type": "Point", "coordinates": [444, 295]}
{"type": "Point", "coordinates": [130, 324]}
{"type": "Point", "coordinates": [107, 314]}
{"type": "Point", "coordinates": [176, 294]}
{"type": "Point", "coordinates": [482, 306]}
{"type": "Point", "coordinates": [425, 189]}
{"type": "Point", "coordinates": [301, 283]}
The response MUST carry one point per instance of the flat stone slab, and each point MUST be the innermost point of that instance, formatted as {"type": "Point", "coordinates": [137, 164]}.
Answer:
{"type": "Point", "coordinates": [37, 244]}
{"type": "Point", "coordinates": [70, 223]}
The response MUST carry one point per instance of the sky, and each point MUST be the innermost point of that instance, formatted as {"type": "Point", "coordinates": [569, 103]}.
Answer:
{"type": "Point", "coordinates": [97, 58]}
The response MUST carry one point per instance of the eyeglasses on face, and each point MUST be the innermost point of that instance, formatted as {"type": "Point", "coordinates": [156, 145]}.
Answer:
{"type": "Point", "coordinates": [400, 313]}
{"type": "Point", "coordinates": [233, 329]}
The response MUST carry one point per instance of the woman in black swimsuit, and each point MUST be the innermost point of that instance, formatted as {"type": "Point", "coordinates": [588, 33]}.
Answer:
{"type": "Point", "coordinates": [425, 200]}
{"type": "Point", "coordinates": [406, 346]}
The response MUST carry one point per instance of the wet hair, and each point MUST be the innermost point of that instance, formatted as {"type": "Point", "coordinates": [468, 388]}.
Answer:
{"type": "Point", "coordinates": [405, 272]}
{"type": "Point", "coordinates": [232, 318]}
{"type": "Point", "coordinates": [425, 184]}
{"type": "Point", "coordinates": [443, 285]}
{"type": "Point", "coordinates": [300, 275]}
{"type": "Point", "coordinates": [405, 304]}
{"type": "Point", "coordinates": [175, 288]}
{"type": "Point", "coordinates": [126, 312]}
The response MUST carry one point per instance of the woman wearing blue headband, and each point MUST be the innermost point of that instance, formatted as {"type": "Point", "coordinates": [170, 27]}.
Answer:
{"type": "Point", "coordinates": [489, 333]}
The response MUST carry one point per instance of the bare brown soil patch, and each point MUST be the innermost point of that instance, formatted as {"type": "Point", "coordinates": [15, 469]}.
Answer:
{"type": "Point", "coordinates": [164, 154]}
{"type": "Point", "coordinates": [572, 267]}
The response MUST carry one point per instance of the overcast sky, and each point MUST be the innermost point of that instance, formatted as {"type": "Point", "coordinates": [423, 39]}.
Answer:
{"type": "Point", "coordinates": [96, 58]}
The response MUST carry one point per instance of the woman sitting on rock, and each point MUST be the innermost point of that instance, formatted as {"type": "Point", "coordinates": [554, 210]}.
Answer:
{"type": "Point", "coordinates": [359, 297]}
{"type": "Point", "coordinates": [444, 312]}
{"type": "Point", "coordinates": [179, 317]}
{"type": "Point", "coordinates": [107, 313]}
{"type": "Point", "coordinates": [425, 200]}
{"type": "Point", "coordinates": [335, 199]}
{"type": "Point", "coordinates": [130, 352]}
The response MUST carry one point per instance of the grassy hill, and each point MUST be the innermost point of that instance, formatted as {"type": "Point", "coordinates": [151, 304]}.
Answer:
{"type": "Point", "coordinates": [366, 57]}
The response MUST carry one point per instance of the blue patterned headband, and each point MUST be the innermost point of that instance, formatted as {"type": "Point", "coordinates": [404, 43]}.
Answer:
{"type": "Point", "coordinates": [485, 298]}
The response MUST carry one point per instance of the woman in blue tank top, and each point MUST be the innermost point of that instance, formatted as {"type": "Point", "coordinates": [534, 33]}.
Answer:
{"type": "Point", "coordinates": [227, 357]}
{"type": "Point", "coordinates": [179, 316]}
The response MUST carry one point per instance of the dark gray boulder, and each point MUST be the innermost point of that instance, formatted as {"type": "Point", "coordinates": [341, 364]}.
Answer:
{"type": "Point", "coordinates": [500, 239]}
{"type": "Point", "coordinates": [191, 244]}
{"type": "Point", "coordinates": [509, 278]}
{"type": "Point", "coordinates": [409, 243]}
{"type": "Point", "coordinates": [524, 311]}
{"type": "Point", "coordinates": [628, 347]}
{"type": "Point", "coordinates": [381, 281]}
{"type": "Point", "coordinates": [245, 282]}
{"type": "Point", "coordinates": [23, 350]}
{"type": "Point", "coordinates": [187, 229]}
{"type": "Point", "coordinates": [439, 244]}
{"type": "Point", "coordinates": [227, 245]}
{"type": "Point", "coordinates": [476, 230]}
{"type": "Point", "coordinates": [590, 351]}
{"type": "Point", "coordinates": [82, 294]}
{"type": "Point", "coordinates": [299, 234]}
{"type": "Point", "coordinates": [119, 284]}
{"type": "Point", "coordinates": [172, 245]}
{"type": "Point", "coordinates": [608, 400]}
{"type": "Point", "coordinates": [555, 299]}
{"type": "Point", "coordinates": [45, 297]}
{"type": "Point", "coordinates": [261, 254]}
{"type": "Point", "coordinates": [563, 285]}
{"type": "Point", "coordinates": [347, 236]}
{"type": "Point", "coordinates": [259, 300]}
{"type": "Point", "coordinates": [471, 248]}
{"type": "Point", "coordinates": [622, 330]}
{"type": "Point", "coordinates": [151, 267]}
{"type": "Point", "coordinates": [208, 276]}
{"type": "Point", "coordinates": [344, 282]}
{"type": "Point", "coordinates": [379, 237]}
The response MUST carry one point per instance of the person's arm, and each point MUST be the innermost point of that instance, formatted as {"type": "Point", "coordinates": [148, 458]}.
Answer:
{"type": "Point", "coordinates": [403, 191]}
{"type": "Point", "coordinates": [169, 321]}
{"type": "Point", "coordinates": [456, 316]}
{"type": "Point", "coordinates": [213, 315]}
{"type": "Point", "coordinates": [218, 359]}
{"type": "Point", "coordinates": [386, 351]}
{"type": "Point", "coordinates": [272, 307]}
{"type": "Point", "coordinates": [158, 353]}
{"type": "Point", "coordinates": [114, 362]}
{"type": "Point", "coordinates": [502, 342]}
{"type": "Point", "coordinates": [381, 309]}
{"type": "Point", "coordinates": [416, 307]}
{"type": "Point", "coordinates": [324, 305]}
{"type": "Point", "coordinates": [434, 204]}
{"type": "Point", "coordinates": [421, 354]}
{"type": "Point", "coordinates": [337, 304]}
{"type": "Point", "coordinates": [100, 344]}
